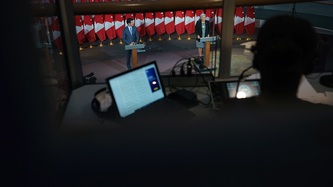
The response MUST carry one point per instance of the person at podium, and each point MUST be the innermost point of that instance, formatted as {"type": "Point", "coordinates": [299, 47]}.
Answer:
{"type": "Point", "coordinates": [130, 37]}
{"type": "Point", "coordinates": [202, 29]}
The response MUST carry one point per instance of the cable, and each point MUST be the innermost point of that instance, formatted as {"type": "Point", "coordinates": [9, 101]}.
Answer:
{"type": "Point", "coordinates": [182, 72]}
{"type": "Point", "coordinates": [196, 71]}
{"type": "Point", "coordinates": [173, 72]}
{"type": "Point", "coordinates": [201, 75]}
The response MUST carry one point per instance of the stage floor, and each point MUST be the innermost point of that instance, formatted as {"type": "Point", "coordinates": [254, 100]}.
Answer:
{"type": "Point", "coordinates": [107, 60]}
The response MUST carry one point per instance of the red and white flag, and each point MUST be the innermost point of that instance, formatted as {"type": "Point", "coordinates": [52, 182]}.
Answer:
{"type": "Point", "coordinates": [128, 16]}
{"type": "Point", "coordinates": [79, 27]}
{"type": "Point", "coordinates": [189, 22]}
{"type": "Point", "coordinates": [159, 23]}
{"type": "Point", "coordinates": [110, 30]}
{"type": "Point", "coordinates": [88, 26]}
{"type": "Point", "coordinates": [56, 34]}
{"type": "Point", "coordinates": [250, 20]}
{"type": "Point", "coordinates": [55, 29]}
{"type": "Point", "coordinates": [119, 25]}
{"type": "Point", "coordinates": [197, 15]}
{"type": "Point", "coordinates": [210, 16]}
{"type": "Point", "coordinates": [239, 20]}
{"type": "Point", "coordinates": [149, 23]}
{"type": "Point", "coordinates": [218, 20]}
{"type": "Point", "coordinates": [169, 21]}
{"type": "Point", "coordinates": [140, 24]}
{"type": "Point", "coordinates": [180, 22]}
{"type": "Point", "coordinates": [109, 24]}
{"type": "Point", "coordinates": [99, 25]}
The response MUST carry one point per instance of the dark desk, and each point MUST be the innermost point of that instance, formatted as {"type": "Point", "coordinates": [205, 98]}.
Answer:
{"type": "Point", "coordinates": [79, 113]}
{"type": "Point", "coordinates": [231, 149]}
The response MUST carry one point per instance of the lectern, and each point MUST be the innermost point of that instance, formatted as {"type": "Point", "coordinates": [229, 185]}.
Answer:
{"type": "Point", "coordinates": [207, 41]}
{"type": "Point", "coordinates": [134, 52]}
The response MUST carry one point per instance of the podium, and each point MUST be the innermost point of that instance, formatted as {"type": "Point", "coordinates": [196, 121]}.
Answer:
{"type": "Point", "coordinates": [207, 41]}
{"type": "Point", "coordinates": [134, 52]}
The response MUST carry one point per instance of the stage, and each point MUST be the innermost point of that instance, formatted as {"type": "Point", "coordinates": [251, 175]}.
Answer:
{"type": "Point", "coordinates": [107, 60]}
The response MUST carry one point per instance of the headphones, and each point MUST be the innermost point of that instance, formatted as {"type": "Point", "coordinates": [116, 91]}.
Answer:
{"type": "Point", "coordinates": [102, 101]}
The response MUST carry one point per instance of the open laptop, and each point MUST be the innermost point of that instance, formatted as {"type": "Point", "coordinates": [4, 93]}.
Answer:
{"type": "Point", "coordinates": [138, 95]}
{"type": "Point", "coordinates": [221, 91]}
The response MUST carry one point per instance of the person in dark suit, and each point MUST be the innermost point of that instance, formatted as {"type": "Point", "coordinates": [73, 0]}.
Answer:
{"type": "Point", "coordinates": [130, 37]}
{"type": "Point", "coordinates": [202, 29]}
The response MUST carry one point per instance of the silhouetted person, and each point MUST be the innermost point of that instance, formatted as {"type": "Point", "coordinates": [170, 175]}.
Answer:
{"type": "Point", "coordinates": [284, 52]}
{"type": "Point", "coordinates": [277, 138]}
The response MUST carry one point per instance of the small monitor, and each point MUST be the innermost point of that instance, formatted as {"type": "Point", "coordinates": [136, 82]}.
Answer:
{"type": "Point", "coordinates": [224, 90]}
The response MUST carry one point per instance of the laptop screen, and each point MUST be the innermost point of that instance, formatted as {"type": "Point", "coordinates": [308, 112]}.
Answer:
{"type": "Point", "coordinates": [135, 88]}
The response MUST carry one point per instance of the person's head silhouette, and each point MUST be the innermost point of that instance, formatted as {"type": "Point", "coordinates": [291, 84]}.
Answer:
{"type": "Point", "coordinates": [285, 50]}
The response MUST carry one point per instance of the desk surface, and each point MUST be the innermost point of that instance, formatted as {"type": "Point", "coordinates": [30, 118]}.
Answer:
{"type": "Point", "coordinates": [199, 154]}
{"type": "Point", "coordinates": [79, 113]}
